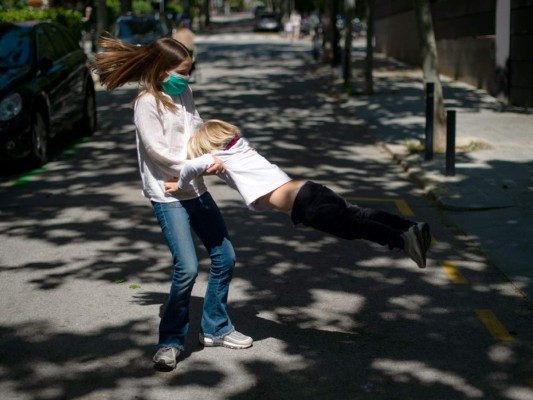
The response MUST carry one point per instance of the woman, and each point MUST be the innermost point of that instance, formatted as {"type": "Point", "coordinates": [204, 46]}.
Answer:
{"type": "Point", "coordinates": [165, 118]}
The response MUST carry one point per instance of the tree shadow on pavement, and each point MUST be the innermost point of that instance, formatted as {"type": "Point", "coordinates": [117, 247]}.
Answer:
{"type": "Point", "coordinates": [331, 319]}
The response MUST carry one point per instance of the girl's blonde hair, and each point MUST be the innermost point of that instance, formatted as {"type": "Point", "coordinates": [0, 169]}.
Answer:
{"type": "Point", "coordinates": [212, 135]}
{"type": "Point", "coordinates": [121, 62]}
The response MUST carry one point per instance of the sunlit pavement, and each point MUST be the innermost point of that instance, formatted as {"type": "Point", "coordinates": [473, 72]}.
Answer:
{"type": "Point", "coordinates": [85, 270]}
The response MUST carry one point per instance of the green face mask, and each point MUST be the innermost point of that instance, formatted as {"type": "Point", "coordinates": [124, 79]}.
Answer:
{"type": "Point", "coordinates": [175, 84]}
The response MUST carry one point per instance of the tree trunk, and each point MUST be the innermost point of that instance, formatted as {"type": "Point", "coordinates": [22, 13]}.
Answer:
{"type": "Point", "coordinates": [347, 67]}
{"type": "Point", "coordinates": [336, 36]}
{"type": "Point", "coordinates": [369, 61]}
{"type": "Point", "coordinates": [430, 68]}
{"type": "Point", "coordinates": [101, 19]}
{"type": "Point", "coordinates": [207, 16]}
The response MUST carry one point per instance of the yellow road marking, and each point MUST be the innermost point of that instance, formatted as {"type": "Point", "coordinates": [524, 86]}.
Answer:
{"type": "Point", "coordinates": [530, 382]}
{"type": "Point", "coordinates": [454, 274]}
{"type": "Point", "coordinates": [404, 209]}
{"type": "Point", "coordinates": [400, 204]}
{"type": "Point", "coordinates": [493, 325]}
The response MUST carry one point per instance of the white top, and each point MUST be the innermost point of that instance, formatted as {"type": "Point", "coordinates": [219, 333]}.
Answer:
{"type": "Point", "coordinates": [248, 172]}
{"type": "Point", "coordinates": [162, 145]}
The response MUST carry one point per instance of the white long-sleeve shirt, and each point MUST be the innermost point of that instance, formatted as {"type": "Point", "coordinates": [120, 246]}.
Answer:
{"type": "Point", "coordinates": [251, 174]}
{"type": "Point", "coordinates": [162, 145]}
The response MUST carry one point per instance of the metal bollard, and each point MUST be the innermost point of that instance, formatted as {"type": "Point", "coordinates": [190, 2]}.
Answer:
{"type": "Point", "coordinates": [430, 112]}
{"type": "Point", "coordinates": [450, 143]}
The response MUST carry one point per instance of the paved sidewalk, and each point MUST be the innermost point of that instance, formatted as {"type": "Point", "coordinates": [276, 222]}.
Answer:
{"type": "Point", "coordinates": [490, 198]}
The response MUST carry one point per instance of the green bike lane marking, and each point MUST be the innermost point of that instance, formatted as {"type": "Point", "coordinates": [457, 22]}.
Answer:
{"type": "Point", "coordinates": [21, 179]}
{"type": "Point", "coordinates": [25, 178]}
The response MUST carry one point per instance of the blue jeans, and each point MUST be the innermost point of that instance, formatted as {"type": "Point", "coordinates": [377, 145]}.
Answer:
{"type": "Point", "coordinates": [176, 220]}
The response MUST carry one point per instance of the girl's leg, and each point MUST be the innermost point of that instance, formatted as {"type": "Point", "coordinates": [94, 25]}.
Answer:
{"type": "Point", "coordinates": [209, 225]}
{"type": "Point", "coordinates": [319, 207]}
{"type": "Point", "coordinates": [174, 221]}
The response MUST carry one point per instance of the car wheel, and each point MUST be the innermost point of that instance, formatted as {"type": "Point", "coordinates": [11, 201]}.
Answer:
{"type": "Point", "coordinates": [39, 141]}
{"type": "Point", "coordinates": [89, 120]}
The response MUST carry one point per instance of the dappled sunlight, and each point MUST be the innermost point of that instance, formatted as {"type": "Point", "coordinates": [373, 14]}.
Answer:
{"type": "Point", "coordinates": [330, 318]}
{"type": "Point", "coordinates": [501, 353]}
{"type": "Point", "coordinates": [328, 311]}
{"type": "Point", "coordinates": [406, 371]}
{"type": "Point", "coordinates": [410, 302]}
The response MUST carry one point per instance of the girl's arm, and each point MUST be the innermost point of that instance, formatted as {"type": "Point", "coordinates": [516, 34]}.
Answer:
{"type": "Point", "coordinates": [150, 128]}
{"type": "Point", "coordinates": [194, 168]}
{"type": "Point", "coordinates": [204, 165]}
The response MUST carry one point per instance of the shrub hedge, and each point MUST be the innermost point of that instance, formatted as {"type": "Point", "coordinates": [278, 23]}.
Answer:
{"type": "Point", "coordinates": [69, 18]}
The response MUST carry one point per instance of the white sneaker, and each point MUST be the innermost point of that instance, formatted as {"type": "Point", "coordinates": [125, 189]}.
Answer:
{"type": "Point", "coordinates": [167, 357]}
{"type": "Point", "coordinates": [235, 340]}
{"type": "Point", "coordinates": [413, 246]}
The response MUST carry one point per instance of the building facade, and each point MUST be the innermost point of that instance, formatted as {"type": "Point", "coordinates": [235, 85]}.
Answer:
{"type": "Point", "coordinates": [487, 43]}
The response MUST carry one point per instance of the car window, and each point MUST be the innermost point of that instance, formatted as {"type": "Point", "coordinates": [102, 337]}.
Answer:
{"type": "Point", "coordinates": [46, 47]}
{"type": "Point", "coordinates": [62, 34]}
{"type": "Point", "coordinates": [58, 39]}
{"type": "Point", "coordinates": [15, 47]}
{"type": "Point", "coordinates": [132, 27]}
{"type": "Point", "coordinates": [54, 42]}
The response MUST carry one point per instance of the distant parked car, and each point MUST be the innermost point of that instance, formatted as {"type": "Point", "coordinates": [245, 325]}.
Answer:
{"type": "Point", "coordinates": [260, 9]}
{"type": "Point", "coordinates": [45, 89]}
{"type": "Point", "coordinates": [267, 21]}
{"type": "Point", "coordinates": [140, 29]}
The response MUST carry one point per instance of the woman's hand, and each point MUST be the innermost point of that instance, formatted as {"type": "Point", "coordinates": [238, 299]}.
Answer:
{"type": "Point", "coordinates": [171, 187]}
{"type": "Point", "coordinates": [218, 167]}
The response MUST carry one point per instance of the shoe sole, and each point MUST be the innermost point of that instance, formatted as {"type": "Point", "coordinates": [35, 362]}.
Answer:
{"type": "Point", "coordinates": [228, 345]}
{"type": "Point", "coordinates": [162, 364]}
{"type": "Point", "coordinates": [421, 242]}
{"type": "Point", "coordinates": [423, 228]}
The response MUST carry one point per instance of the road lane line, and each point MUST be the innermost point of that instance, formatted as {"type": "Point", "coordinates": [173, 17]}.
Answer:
{"type": "Point", "coordinates": [454, 274]}
{"type": "Point", "coordinates": [404, 209]}
{"type": "Point", "coordinates": [400, 204]}
{"type": "Point", "coordinates": [493, 325]}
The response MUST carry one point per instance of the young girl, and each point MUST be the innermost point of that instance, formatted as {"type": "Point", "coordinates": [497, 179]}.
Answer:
{"type": "Point", "coordinates": [165, 118]}
{"type": "Point", "coordinates": [264, 186]}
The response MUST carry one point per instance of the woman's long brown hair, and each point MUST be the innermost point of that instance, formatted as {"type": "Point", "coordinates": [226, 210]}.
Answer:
{"type": "Point", "coordinates": [121, 62]}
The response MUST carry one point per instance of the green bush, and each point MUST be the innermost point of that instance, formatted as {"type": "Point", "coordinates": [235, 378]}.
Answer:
{"type": "Point", "coordinates": [112, 10]}
{"type": "Point", "coordinates": [17, 4]}
{"type": "Point", "coordinates": [142, 7]}
{"type": "Point", "coordinates": [69, 18]}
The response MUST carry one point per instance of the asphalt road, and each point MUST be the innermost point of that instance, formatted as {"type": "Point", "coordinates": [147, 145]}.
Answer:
{"type": "Point", "coordinates": [85, 272]}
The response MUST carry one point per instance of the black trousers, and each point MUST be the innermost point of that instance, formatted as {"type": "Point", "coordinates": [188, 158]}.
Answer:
{"type": "Point", "coordinates": [318, 207]}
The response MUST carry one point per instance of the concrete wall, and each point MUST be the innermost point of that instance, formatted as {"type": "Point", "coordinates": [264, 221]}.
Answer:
{"type": "Point", "coordinates": [521, 62]}
{"type": "Point", "coordinates": [465, 35]}
{"type": "Point", "coordinates": [469, 60]}
{"type": "Point", "coordinates": [396, 36]}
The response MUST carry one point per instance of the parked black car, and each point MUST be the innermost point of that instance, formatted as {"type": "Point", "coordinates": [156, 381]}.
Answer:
{"type": "Point", "coordinates": [140, 29]}
{"type": "Point", "coordinates": [45, 89]}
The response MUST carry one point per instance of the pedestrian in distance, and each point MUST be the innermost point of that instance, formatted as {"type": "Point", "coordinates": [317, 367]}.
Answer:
{"type": "Point", "coordinates": [185, 36]}
{"type": "Point", "coordinates": [265, 186]}
{"type": "Point", "coordinates": [165, 118]}
{"type": "Point", "coordinates": [295, 19]}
